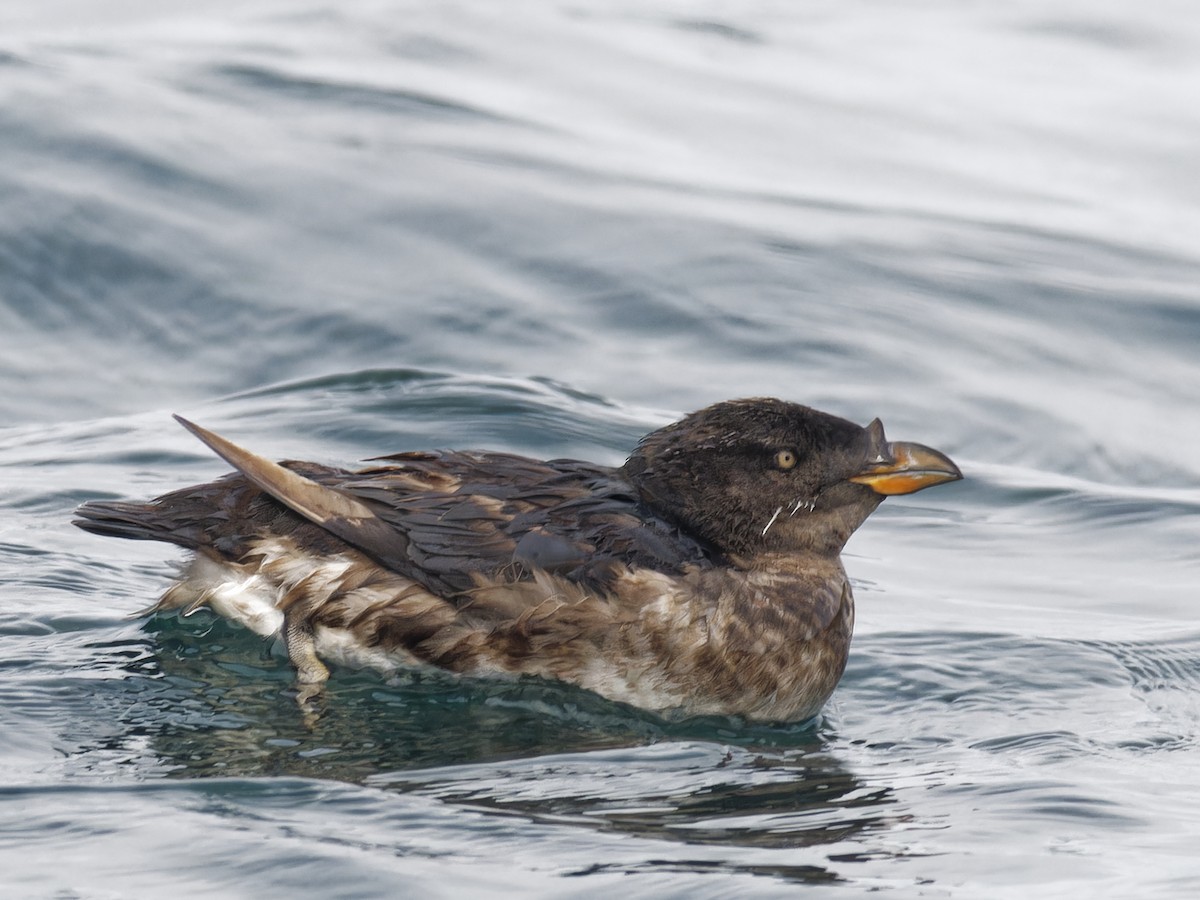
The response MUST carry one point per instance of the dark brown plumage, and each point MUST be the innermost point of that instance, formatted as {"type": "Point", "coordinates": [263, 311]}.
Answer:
{"type": "Point", "coordinates": [702, 577]}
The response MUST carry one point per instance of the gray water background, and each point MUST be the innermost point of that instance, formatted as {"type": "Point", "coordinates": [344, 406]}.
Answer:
{"type": "Point", "coordinates": [334, 231]}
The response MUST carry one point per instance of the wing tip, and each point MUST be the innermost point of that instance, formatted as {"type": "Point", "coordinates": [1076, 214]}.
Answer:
{"type": "Point", "coordinates": [338, 512]}
{"type": "Point", "coordinates": [206, 436]}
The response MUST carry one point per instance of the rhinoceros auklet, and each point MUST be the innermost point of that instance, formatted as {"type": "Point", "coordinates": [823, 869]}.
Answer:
{"type": "Point", "coordinates": [701, 577]}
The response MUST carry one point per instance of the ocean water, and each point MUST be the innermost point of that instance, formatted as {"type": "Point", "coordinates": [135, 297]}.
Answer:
{"type": "Point", "coordinates": [332, 231]}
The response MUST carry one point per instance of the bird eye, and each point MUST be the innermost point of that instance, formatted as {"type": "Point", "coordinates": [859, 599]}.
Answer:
{"type": "Point", "coordinates": [785, 459]}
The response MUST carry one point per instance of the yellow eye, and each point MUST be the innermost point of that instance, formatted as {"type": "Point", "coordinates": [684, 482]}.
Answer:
{"type": "Point", "coordinates": [785, 459]}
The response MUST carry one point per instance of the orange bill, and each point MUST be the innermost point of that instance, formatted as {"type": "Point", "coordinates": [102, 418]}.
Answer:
{"type": "Point", "coordinates": [906, 468]}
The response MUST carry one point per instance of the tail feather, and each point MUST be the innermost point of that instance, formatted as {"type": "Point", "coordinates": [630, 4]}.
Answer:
{"type": "Point", "coordinates": [137, 521]}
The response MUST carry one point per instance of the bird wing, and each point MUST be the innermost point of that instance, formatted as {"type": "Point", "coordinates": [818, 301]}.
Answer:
{"type": "Point", "coordinates": [332, 509]}
{"type": "Point", "coordinates": [504, 517]}
{"type": "Point", "coordinates": [446, 519]}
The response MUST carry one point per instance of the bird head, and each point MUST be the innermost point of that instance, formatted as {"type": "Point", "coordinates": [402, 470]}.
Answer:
{"type": "Point", "coordinates": [764, 475]}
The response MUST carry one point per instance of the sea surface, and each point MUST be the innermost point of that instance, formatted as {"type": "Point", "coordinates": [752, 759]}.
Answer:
{"type": "Point", "coordinates": [336, 230]}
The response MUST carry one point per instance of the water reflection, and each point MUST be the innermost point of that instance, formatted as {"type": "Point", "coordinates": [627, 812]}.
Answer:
{"type": "Point", "coordinates": [200, 699]}
{"type": "Point", "coordinates": [203, 699]}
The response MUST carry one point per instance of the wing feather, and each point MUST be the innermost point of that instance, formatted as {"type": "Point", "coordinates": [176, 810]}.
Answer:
{"type": "Point", "coordinates": [447, 520]}
{"type": "Point", "coordinates": [334, 510]}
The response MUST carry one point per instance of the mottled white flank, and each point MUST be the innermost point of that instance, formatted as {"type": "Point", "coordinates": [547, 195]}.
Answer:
{"type": "Point", "coordinates": [343, 648]}
{"type": "Point", "coordinates": [249, 602]}
{"type": "Point", "coordinates": [641, 680]}
{"type": "Point", "coordinates": [250, 595]}
{"type": "Point", "coordinates": [665, 609]}
{"type": "Point", "coordinates": [231, 591]}
{"type": "Point", "coordinates": [646, 688]}
{"type": "Point", "coordinates": [633, 666]}
{"type": "Point", "coordinates": [288, 567]}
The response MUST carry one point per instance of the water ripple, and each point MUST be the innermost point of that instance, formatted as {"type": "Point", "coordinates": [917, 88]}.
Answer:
{"type": "Point", "coordinates": [341, 95]}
